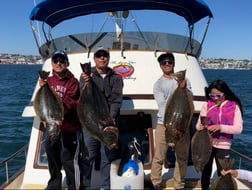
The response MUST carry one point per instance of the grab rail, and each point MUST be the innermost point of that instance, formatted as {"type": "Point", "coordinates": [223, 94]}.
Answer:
{"type": "Point", "coordinates": [241, 157]}
{"type": "Point", "coordinates": [25, 148]}
{"type": "Point", "coordinates": [13, 156]}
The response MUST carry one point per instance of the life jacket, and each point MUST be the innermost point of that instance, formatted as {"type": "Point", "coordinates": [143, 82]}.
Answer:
{"type": "Point", "coordinates": [222, 114]}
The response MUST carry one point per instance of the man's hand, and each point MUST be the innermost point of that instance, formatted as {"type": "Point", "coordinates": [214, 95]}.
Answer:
{"type": "Point", "coordinates": [183, 84]}
{"type": "Point", "coordinates": [232, 172]}
{"type": "Point", "coordinates": [42, 82]}
{"type": "Point", "coordinates": [86, 77]}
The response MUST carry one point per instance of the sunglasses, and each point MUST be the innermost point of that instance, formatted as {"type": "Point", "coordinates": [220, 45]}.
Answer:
{"type": "Point", "coordinates": [60, 61]}
{"type": "Point", "coordinates": [166, 61]}
{"type": "Point", "coordinates": [101, 54]}
{"type": "Point", "coordinates": [218, 96]}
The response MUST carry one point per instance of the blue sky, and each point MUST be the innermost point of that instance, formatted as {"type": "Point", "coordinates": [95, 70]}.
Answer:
{"type": "Point", "coordinates": [229, 35]}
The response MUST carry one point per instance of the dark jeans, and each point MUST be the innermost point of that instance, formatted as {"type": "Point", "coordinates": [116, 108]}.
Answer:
{"type": "Point", "coordinates": [94, 148]}
{"type": "Point", "coordinates": [207, 171]}
{"type": "Point", "coordinates": [63, 152]}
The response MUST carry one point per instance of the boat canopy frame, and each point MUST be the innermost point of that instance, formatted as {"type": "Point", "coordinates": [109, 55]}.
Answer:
{"type": "Point", "coordinates": [53, 12]}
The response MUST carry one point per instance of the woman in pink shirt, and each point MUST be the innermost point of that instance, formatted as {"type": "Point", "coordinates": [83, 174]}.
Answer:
{"type": "Point", "coordinates": [224, 110]}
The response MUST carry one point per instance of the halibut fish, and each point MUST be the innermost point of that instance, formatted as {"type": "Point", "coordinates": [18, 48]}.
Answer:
{"type": "Point", "coordinates": [179, 111]}
{"type": "Point", "coordinates": [49, 108]}
{"type": "Point", "coordinates": [94, 113]}
{"type": "Point", "coordinates": [201, 146]}
{"type": "Point", "coordinates": [226, 182]}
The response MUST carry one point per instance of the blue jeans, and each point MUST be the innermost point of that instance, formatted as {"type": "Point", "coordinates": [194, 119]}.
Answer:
{"type": "Point", "coordinates": [94, 147]}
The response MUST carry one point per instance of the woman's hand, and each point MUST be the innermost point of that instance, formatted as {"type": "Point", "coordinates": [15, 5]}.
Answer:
{"type": "Point", "coordinates": [214, 128]}
{"type": "Point", "coordinates": [200, 127]}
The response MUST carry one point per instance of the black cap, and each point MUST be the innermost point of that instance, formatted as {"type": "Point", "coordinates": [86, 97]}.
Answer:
{"type": "Point", "coordinates": [60, 53]}
{"type": "Point", "coordinates": [166, 55]}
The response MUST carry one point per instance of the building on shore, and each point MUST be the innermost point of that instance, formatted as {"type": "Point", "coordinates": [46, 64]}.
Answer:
{"type": "Point", "coordinates": [204, 63]}
{"type": "Point", "coordinates": [225, 64]}
{"type": "Point", "coordinates": [19, 59]}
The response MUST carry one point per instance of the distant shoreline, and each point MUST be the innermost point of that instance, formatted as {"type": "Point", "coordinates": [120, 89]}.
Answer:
{"type": "Point", "coordinates": [21, 64]}
{"type": "Point", "coordinates": [17, 59]}
{"type": "Point", "coordinates": [225, 64]}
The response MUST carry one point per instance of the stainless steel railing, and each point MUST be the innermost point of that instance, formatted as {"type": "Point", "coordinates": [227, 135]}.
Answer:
{"type": "Point", "coordinates": [23, 150]}
{"type": "Point", "coordinates": [5, 162]}
{"type": "Point", "coordinates": [242, 158]}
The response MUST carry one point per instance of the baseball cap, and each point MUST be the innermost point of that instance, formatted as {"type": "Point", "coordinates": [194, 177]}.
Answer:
{"type": "Point", "coordinates": [101, 51]}
{"type": "Point", "coordinates": [60, 53]}
{"type": "Point", "coordinates": [166, 55]}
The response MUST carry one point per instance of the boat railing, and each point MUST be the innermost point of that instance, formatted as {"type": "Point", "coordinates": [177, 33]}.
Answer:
{"type": "Point", "coordinates": [6, 161]}
{"type": "Point", "coordinates": [242, 158]}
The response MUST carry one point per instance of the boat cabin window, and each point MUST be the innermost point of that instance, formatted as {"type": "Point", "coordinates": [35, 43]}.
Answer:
{"type": "Point", "coordinates": [138, 126]}
{"type": "Point", "coordinates": [42, 157]}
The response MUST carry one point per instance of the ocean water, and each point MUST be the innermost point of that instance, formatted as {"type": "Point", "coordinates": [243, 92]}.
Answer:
{"type": "Point", "coordinates": [17, 85]}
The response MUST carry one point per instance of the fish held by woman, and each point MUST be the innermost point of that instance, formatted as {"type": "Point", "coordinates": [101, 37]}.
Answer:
{"type": "Point", "coordinates": [49, 108]}
{"type": "Point", "coordinates": [94, 113]}
{"type": "Point", "coordinates": [179, 111]}
{"type": "Point", "coordinates": [226, 182]}
{"type": "Point", "coordinates": [201, 146]}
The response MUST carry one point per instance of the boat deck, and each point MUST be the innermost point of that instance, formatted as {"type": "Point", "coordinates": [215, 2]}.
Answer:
{"type": "Point", "coordinates": [15, 183]}
{"type": "Point", "coordinates": [191, 184]}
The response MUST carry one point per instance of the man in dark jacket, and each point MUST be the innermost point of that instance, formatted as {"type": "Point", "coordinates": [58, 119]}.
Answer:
{"type": "Point", "coordinates": [111, 84]}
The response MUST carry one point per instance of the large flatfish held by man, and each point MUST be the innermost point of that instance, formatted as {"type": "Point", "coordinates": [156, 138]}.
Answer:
{"type": "Point", "coordinates": [178, 112]}
{"type": "Point", "coordinates": [49, 108]}
{"type": "Point", "coordinates": [201, 146]}
{"type": "Point", "coordinates": [94, 113]}
{"type": "Point", "coordinates": [226, 182]}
